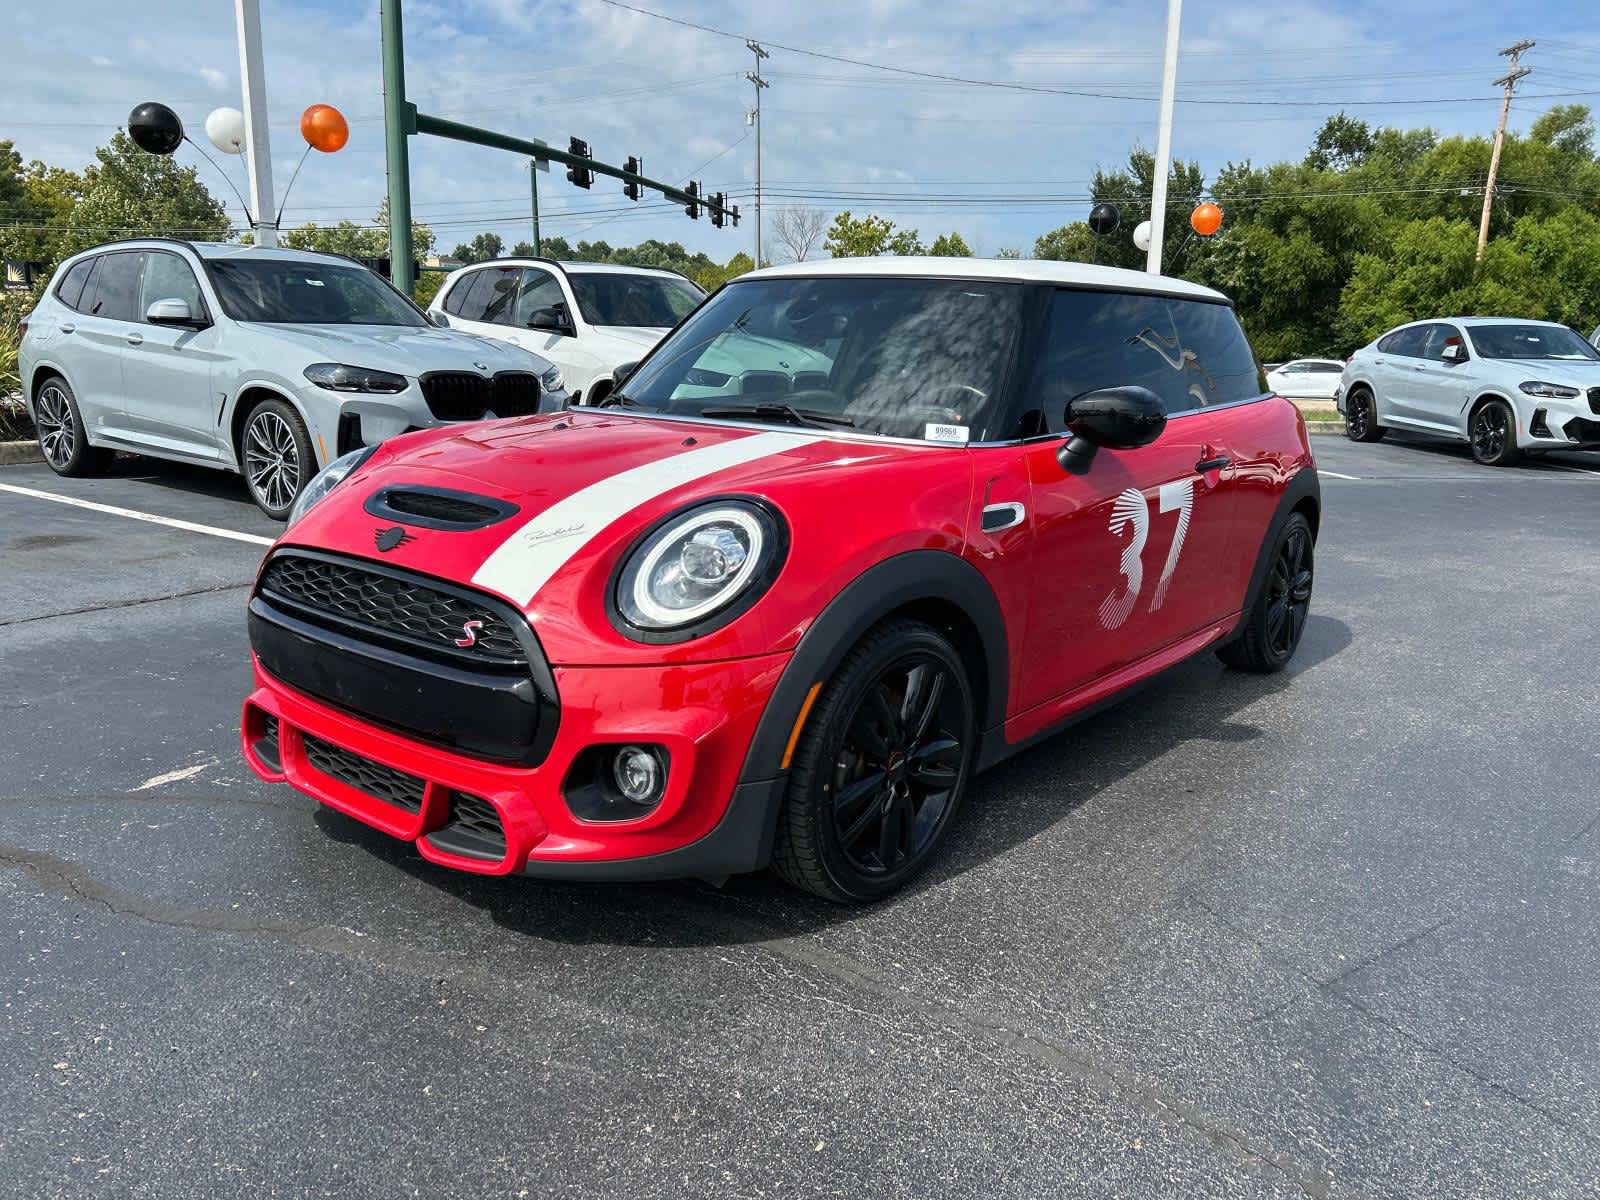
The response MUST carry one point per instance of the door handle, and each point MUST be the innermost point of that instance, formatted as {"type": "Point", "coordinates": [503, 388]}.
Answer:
{"type": "Point", "coordinates": [1213, 464]}
{"type": "Point", "coordinates": [68, 328]}
{"type": "Point", "coordinates": [136, 339]}
{"type": "Point", "coordinates": [1003, 516]}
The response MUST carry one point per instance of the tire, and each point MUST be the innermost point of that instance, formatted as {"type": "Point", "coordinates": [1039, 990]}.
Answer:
{"type": "Point", "coordinates": [881, 768]}
{"type": "Point", "coordinates": [1275, 623]}
{"type": "Point", "coordinates": [1492, 434]}
{"type": "Point", "coordinates": [1361, 417]}
{"type": "Point", "coordinates": [275, 457]}
{"type": "Point", "coordinates": [59, 427]}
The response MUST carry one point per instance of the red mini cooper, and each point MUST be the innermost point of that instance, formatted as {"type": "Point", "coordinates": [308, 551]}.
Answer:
{"type": "Point", "coordinates": [852, 532]}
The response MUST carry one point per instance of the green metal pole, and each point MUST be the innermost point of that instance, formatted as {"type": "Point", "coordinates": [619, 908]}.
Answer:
{"type": "Point", "coordinates": [396, 121]}
{"type": "Point", "coordinates": [533, 176]}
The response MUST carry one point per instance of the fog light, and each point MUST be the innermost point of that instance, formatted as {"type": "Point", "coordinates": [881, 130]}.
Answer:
{"type": "Point", "coordinates": [638, 774]}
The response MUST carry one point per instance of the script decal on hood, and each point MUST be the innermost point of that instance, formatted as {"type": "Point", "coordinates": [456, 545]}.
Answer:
{"type": "Point", "coordinates": [527, 559]}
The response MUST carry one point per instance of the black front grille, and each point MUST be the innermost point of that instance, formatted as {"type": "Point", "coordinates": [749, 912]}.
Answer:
{"type": "Point", "coordinates": [373, 779]}
{"type": "Point", "coordinates": [435, 506]}
{"type": "Point", "coordinates": [473, 829]}
{"type": "Point", "coordinates": [1594, 399]}
{"type": "Point", "coordinates": [394, 606]}
{"type": "Point", "coordinates": [266, 746]}
{"type": "Point", "coordinates": [514, 394]}
{"type": "Point", "coordinates": [456, 395]}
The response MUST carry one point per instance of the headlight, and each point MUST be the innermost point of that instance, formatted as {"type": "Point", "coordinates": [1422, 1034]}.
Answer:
{"type": "Point", "coordinates": [337, 377]}
{"type": "Point", "coordinates": [325, 480]}
{"type": "Point", "coordinates": [1550, 391]}
{"type": "Point", "coordinates": [697, 570]}
{"type": "Point", "coordinates": [551, 380]}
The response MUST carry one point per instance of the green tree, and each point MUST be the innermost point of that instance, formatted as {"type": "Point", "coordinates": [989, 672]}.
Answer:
{"type": "Point", "coordinates": [714, 277]}
{"type": "Point", "coordinates": [950, 245]}
{"type": "Point", "coordinates": [482, 248]}
{"type": "Point", "coordinates": [858, 237]}
{"type": "Point", "coordinates": [1129, 188]}
{"type": "Point", "coordinates": [1342, 142]}
{"type": "Point", "coordinates": [524, 249]}
{"type": "Point", "coordinates": [128, 193]}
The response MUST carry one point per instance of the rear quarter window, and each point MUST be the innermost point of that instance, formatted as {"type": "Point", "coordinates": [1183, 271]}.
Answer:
{"type": "Point", "coordinates": [70, 290]}
{"type": "Point", "coordinates": [1190, 353]}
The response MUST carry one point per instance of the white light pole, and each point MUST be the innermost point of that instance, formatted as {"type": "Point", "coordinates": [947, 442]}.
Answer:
{"type": "Point", "coordinates": [1158, 185]}
{"type": "Point", "coordinates": [253, 78]}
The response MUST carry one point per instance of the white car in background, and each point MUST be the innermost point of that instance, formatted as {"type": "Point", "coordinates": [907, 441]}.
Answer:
{"type": "Point", "coordinates": [1502, 385]}
{"type": "Point", "coordinates": [271, 363]}
{"type": "Point", "coordinates": [1306, 378]}
{"type": "Point", "coordinates": [587, 318]}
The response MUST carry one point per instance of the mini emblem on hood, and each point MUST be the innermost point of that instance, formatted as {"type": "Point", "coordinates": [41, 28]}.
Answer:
{"type": "Point", "coordinates": [387, 539]}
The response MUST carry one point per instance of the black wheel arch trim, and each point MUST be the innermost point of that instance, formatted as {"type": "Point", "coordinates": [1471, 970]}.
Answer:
{"type": "Point", "coordinates": [1304, 487]}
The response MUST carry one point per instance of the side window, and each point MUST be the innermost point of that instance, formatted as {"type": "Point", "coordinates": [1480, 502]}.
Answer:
{"type": "Point", "coordinates": [475, 292]}
{"type": "Point", "coordinates": [1405, 342]}
{"type": "Point", "coordinates": [539, 291]}
{"type": "Point", "coordinates": [168, 277]}
{"type": "Point", "coordinates": [1219, 366]}
{"type": "Point", "coordinates": [456, 297]}
{"type": "Point", "coordinates": [114, 291]}
{"type": "Point", "coordinates": [71, 289]}
{"type": "Point", "coordinates": [1326, 369]}
{"type": "Point", "coordinates": [501, 294]}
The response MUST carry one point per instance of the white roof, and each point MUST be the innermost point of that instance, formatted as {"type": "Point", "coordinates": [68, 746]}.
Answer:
{"type": "Point", "coordinates": [1473, 322]}
{"type": "Point", "coordinates": [1017, 270]}
{"type": "Point", "coordinates": [571, 267]}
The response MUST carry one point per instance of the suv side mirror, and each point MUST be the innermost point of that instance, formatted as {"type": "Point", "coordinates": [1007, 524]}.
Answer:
{"type": "Point", "coordinates": [552, 320]}
{"type": "Point", "coordinates": [1116, 418]}
{"type": "Point", "coordinates": [1453, 353]}
{"type": "Point", "coordinates": [440, 318]}
{"type": "Point", "coordinates": [173, 312]}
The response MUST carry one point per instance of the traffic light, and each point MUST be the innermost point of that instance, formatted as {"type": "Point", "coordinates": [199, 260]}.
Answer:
{"type": "Point", "coordinates": [735, 216]}
{"type": "Point", "coordinates": [693, 207]}
{"type": "Point", "coordinates": [580, 175]}
{"type": "Point", "coordinates": [630, 187]}
{"type": "Point", "coordinates": [719, 210]}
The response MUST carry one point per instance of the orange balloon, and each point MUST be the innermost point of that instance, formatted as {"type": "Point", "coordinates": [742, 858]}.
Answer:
{"type": "Point", "coordinates": [323, 126]}
{"type": "Point", "coordinates": [1206, 219]}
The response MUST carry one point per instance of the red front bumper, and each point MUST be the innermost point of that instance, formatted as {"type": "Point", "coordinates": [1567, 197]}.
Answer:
{"type": "Point", "coordinates": [703, 714]}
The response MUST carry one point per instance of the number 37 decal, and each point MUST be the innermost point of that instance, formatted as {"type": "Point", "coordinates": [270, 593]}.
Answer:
{"type": "Point", "coordinates": [1131, 515]}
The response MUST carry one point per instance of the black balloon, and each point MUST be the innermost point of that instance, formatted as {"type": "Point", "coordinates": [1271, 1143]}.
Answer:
{"type": "Point", "coordinates": [155, 127]}
{"type": "Point", "coordinates": [1103, 218]}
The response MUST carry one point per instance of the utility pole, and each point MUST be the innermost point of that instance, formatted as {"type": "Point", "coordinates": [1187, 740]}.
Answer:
{"type": "Point", "coordinates": [755, 119]}
{"type": "Point", "coordinates": [1514, 73]}
{"type": "Point", "coordinates": [399, 118]}
{"type": "Point", "coordinates": [258, 163]}
{"type": "Point", "coordinates": [1158, 185]}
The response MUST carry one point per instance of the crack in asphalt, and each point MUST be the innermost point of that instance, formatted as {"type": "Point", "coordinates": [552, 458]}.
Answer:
{"type": "Point", "coordinates": [94, 608]}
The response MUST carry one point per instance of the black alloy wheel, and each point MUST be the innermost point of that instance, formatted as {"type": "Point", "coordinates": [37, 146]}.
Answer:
{"type": "Point", "coordinates": [1492, 436]}
{"type": "Point", "coordinates": [1361, 417]}
{"type": "Point", "coordinates": [882, 768]}
{"type": "Point", "coordinates": [1271, 630]}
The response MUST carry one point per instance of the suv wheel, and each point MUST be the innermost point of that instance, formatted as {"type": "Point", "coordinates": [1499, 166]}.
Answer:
{"type": "Point", "coordinates": [1361, 417]}
{"type": "Point", "coordinates": [276, 457]}
{"type": "Point", "coordinates": [59, 427]}
{"type": "Point", "coordinates": [1493, 434]}
{"type": "Point", "coordinates": [881, 768]}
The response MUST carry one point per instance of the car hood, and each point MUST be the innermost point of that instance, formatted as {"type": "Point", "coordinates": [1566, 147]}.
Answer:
{"type": "Point", "coordinates": [409, 351]}
{"type": "Point", "coordinates": [1573, 373]}
{"type": "Point", "coordinates": [586, 484]}
{"type": "Point", "coordinates": [637, 338]}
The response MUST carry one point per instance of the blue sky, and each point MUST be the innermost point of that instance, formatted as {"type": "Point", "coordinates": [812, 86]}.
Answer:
{"type": "Point", "coordinates": [845, 136]}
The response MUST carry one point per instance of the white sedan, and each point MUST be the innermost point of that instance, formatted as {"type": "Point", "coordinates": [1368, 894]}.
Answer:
{"type": "Point", "coordinates": [1307, 378]}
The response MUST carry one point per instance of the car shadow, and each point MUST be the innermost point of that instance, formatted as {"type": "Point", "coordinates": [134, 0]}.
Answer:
{"type": "Point", "coordinates": [1543, 460]}
{"type": "Point", "coordinates": [183, 477]}
{"type": "Point", "coordinates": [1195, 701]}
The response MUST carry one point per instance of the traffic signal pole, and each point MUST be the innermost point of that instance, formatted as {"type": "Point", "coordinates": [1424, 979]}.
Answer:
{"type": "Point", "coordinates": [1163, 165]}
{"type": "Point", "coordinates": [402, 120]}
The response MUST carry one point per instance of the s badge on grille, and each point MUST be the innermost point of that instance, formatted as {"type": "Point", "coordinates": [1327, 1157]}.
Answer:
{"type": "Point", "coordinates": [469, 633]}
{"type": "Point", "coordinates": [387, 539]}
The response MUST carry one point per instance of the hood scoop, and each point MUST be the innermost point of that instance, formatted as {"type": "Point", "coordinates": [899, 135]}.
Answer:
{"type": "Point", "coordinates": [436, 508]}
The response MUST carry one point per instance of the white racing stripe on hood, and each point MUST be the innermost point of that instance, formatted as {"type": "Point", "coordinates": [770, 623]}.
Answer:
{"type": "Point", "coordinates": [526, 560]}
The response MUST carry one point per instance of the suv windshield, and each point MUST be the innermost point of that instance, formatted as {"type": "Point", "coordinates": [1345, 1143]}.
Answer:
{"type": "Point", "coordinates": [1530, 341]}
{"type": "Point", "coordinates": [886, 356]}
{"type": "Point", "coordinates": [653, 301]}
{"type": "Point", "coordinates": [282, 291]}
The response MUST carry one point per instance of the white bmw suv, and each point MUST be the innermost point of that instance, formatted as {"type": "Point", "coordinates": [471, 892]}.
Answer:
{"type": "Point", "coordinates": [1502, 385]}
{"type": "Point", "coordinates": [587, 318]}
{"type": "Point", "coordinates": [271, 363]}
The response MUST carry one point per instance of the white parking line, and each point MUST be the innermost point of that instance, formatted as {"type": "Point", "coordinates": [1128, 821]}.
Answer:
{"type": "Point", "coordinates": [254, 539]}
{"type": "Point", "coordinates": [1335, 474]}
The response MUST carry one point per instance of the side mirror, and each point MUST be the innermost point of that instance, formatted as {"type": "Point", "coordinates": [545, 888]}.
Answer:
{"type": "Point", "coordinates": [1453, 353]}
{"type": "Point", "coordinates": [440, 318]}
{"type": "Point", "coordinates": [551, 320]}
{"type": "Point", "coordinates": [173, 312]}
{"type": "Point", "coordinates": [623, 371]}
{"type": "Point", "coordinates": [1117, 418]}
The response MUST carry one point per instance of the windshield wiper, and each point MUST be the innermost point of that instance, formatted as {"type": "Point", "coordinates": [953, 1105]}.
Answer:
{"type": "Point", "coordinates": [777, 411]}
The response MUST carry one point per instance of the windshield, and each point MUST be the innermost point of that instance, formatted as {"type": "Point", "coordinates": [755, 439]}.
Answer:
{"type": "Point", "coordinates": [888, 356]}
{"type": "Point", "coordinates": [282, 291]}
{"type": "Point", "coordinates": [1531, 341]}
{"type": "Point", "coordinates": [614, 298]}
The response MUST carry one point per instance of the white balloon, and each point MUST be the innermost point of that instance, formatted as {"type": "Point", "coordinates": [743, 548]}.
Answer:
{"type": "Point", "coordinates": [1141, 232]}
{"type": "Point", "coordinates": [225, 128]}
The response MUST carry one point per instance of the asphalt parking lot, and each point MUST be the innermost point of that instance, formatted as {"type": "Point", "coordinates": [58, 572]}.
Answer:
{"type": "Point", "coordinates": [1327, 934]}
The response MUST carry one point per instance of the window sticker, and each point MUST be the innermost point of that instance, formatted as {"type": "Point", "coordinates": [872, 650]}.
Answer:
{"type": "Point", "coordinates": [945, 433]}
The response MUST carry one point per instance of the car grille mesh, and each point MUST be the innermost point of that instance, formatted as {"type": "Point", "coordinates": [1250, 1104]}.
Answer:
{"type": "Point", "coordinates": [398, 607]}
{"type": "Point", "coordinates": [1594, 399]}
{"type": "Point", "coordinates": [473, 830]}
{"type": "Point", "coordinates": [452, 510]}
{"type": "Point", "coordinates": [456, 395]}
{"type": "Point", "coordinates": [515, 394]}
{"type": "Point", "coordinates": [373, 779]}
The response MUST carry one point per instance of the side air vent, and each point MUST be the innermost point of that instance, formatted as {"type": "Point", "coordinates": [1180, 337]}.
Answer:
{"type": "Point", "coordinates": [436, 508]}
